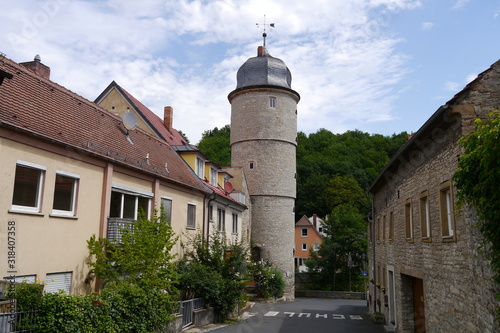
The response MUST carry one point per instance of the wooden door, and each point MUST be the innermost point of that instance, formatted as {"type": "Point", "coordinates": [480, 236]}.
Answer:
{"type": "Point", "coordinates": [419, 305]}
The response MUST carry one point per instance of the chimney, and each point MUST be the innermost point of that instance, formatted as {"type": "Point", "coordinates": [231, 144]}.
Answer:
{"type": "Point", "coordinates": [168, 115]}
{"type": "Point", "coordinates": [261, 51]}
{"type": "Point", "coordinates": [37, 67]}
{"type": "Point", "coordinates": [314, 221]}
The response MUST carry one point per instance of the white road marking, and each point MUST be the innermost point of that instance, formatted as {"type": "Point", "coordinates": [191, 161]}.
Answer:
{"type": "Point", "coordinates": [290, 314]}
{"type": "Point", "coordinates": [271, 314]}
{"type": "Point", "coordinates": [323, 316]}
{"type": "Point", "coordinates": [355, 317]}
{"type": "Point", "coordinates": [305, 314]}
{"type": "Point", "coordinates": [338, 316]}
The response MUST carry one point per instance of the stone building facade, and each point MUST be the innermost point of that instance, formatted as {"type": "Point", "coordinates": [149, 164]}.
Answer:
{"type": "Point", "coordinates": [263, 144]}
{"type": "Point", "coordinates": [427, 271]}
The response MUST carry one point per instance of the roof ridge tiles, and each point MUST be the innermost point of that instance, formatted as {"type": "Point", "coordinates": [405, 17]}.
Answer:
{"type": "Point", "coordinates": [45, 109]}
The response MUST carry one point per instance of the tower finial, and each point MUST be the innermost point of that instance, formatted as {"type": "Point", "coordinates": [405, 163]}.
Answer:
{"type": "Point", "coordinates": [263, 26]}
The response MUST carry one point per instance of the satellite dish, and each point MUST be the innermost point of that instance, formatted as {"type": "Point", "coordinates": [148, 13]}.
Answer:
{"type": "Point", "coordinates": [129, 120]}
{"type": "Point", "coordinates": [228, 187]}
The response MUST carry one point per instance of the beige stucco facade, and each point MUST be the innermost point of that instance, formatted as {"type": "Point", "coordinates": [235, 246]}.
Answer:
{"type": "Point", "coordinates": [45, 242]}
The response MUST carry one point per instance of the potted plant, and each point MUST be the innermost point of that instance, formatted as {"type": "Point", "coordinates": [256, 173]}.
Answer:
{"type": "Point", "coordinates": [378, 318]}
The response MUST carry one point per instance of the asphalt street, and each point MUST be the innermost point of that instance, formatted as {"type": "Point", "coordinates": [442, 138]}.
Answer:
{"type": "Point", "coordinates": [306, 315]}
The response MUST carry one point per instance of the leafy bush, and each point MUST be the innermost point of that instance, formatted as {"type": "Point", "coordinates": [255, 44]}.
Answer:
{"type": "Point", "coordinates": [59, 312]}
{"type": "Point", "coordinates": [213, 270]}
{"type": "Point", "coordinates": [269, 281]}
{"type": "Point", "coordinates": [28, 295]}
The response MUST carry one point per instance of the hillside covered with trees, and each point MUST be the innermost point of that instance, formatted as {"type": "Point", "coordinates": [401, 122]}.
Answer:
{"type": "Point", "coordinates": [334, 172]}
{"type": "Point", "coordinates": [327, 163]}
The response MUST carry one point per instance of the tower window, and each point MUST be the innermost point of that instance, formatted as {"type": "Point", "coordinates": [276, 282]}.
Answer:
{"type": "Point", "coordinates": [272, 101]}
{"type": "Point", "coordinates": [251, 165]}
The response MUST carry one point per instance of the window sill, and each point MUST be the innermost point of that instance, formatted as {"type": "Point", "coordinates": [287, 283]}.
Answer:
{"type": "Point", "coordinates": [61, 216]}
{"type": "Point", "coordinates": [191, 228]}
{"type": "Point", "coordinates": [426, 239]}
{"type": "Point", "coordinates": [25, 212]}
{"type": "Point", "coordinates": [449, 239]}
{"type": "Point", "coordinates": [234, 233]}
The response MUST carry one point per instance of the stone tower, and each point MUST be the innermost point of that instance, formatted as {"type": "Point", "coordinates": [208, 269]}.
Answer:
{"type": "Point", "coordinates": [263, 143]}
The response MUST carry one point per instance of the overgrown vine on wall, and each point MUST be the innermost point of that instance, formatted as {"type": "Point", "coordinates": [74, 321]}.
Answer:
{"type": "Point", "coordinates": [477, 181]}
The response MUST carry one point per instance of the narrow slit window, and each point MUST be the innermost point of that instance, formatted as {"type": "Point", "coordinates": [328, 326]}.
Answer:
{"type": "Point", "coordinates": [408, 220]}
{"type": "Point", "coordinates": [272, 101]}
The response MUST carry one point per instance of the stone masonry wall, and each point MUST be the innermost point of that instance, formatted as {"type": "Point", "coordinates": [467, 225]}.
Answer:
{"type": "Point", "coordinates": [459, 294]}
{"type": "Point", "coordinates": [263, 143]}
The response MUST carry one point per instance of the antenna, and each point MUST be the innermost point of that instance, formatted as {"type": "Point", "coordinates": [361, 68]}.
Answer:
{"type": "Point", "coordinates": [129, 121]}
{"type": "Point", "coordinates": [263, 26]}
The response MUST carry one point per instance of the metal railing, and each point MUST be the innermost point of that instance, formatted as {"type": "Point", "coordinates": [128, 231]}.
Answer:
{"type": "Point", "coordinates": [18, 322]}
{"type": "Point", "coordinates": [187, 307]}
{"type": "Point", "coordinates": [115, 227]}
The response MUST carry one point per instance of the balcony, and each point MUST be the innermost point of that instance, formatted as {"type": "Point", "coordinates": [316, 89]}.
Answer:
{"type": "Point", "coordinates": [116, 225]}
{"type": "Point", "coordinates": [238, 196]}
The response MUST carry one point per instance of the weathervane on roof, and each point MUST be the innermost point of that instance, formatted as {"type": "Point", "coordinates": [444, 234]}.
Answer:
{"type": "Point", "coordinates": [263, 26]}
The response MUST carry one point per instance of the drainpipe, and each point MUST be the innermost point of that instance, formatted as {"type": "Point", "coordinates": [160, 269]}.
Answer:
{"type": "Point", "coordinates": [373, 256]}
{"type": "Point", "coordinates": [208, 215]}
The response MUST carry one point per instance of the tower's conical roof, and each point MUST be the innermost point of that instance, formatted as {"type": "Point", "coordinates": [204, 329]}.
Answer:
{"type": "Point", "coordinates": [263, 70]}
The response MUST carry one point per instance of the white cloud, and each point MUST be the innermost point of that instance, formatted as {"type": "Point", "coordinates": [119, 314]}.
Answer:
{"type": "Point", "coordinates": [452, 86]}
{"type": "Point", "coordinates": [427, 25]}
{"type": "Point", "coordinates": [185, 53]}
{"type": "Point", "coordinates": [459, 4]}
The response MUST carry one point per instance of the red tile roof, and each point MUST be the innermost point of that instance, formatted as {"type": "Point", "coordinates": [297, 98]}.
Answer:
{"type": "Point", "coordinates": [155, 123]}
{"type": "Point", "coordinates": [219, 191]}
{"type": "Point", "coordinates": [40, 107]}
{"type": "Point", "coordinates": [304, 222]}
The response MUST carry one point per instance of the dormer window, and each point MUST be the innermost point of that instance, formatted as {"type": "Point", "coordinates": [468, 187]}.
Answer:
{"type": "Point", "coordinates": [200, 167]}
{"type": "Point", "coordinates": [213, 176]}
{"type": "Point", "coordinates": [272, 101]}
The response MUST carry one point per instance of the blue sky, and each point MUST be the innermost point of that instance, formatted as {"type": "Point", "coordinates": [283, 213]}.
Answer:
{"type": "Point", "coordinates": [380, 66]}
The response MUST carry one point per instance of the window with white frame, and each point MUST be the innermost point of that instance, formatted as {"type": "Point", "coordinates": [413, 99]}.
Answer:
{"type": "Point", "coordinates": [235, 223]}
{"type": "Point", "coordinates": [446, 211]}
{"type": "Point", "coordinates": [272, 101]}
{"type": "Point", "coordinates": [128, 206]}
{"type": "Point", "coordinates": [28, 183]}
{"type": "Point", "coordinates": [166, 205]}
{"type": "Point", "coordinates": [221, 219]}
{"type": "Point", "coordinates": [210, 213]}
{"type": "Point", "coordinates": [316, 246]}
{"type": "Point", "coordinates": [213, 176]}
{"type": "Point", "coordinates": [304, 232]}
{"type": "Point", "coordinates": [200, 167]}
{"type": "Point", "coordinates": [65, 193]}
{"type": "Point", "coordinates": [425, 223]}
{"type": "Point", "coordinates": [191, 216]}
{"type": "Point", "coordinates": [408, 220]}
{"type": "Point", "coordinates": [304, 246]}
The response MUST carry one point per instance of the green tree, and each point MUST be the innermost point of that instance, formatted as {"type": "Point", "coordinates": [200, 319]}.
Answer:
{"type": "Point", "coordinates": [477, 180]}
{"type": "Point", "coordinates": [216, 145]}
{"type": "Point", "coordinates": [345, 241]}
{"type": "Point", "coordinates": [139, 273]}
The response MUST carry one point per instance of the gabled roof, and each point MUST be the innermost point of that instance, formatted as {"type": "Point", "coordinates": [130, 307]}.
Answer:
{"type": "Point", "coordinates": [156, 124]}
{"type": "Point", "coordinates": [305, 223]}
{"type": "Point", "coordinates": [41, 108]}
